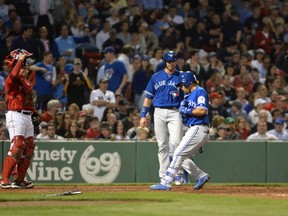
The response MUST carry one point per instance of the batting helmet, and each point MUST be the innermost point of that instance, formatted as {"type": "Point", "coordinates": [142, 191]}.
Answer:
{"type": "Point", "coordinates": [186, 79]}
{"type": "Point", "coordinates": [170, 56]}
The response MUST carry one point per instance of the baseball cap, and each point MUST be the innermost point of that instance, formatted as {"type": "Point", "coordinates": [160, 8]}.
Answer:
{"type": "Point", "coordinates": [214, 95]}
{"type": "Point", "coordinates": [59, 111]}
{"type": "Point", "coordinates": [259, 101]}
{"type": "Point", "coordinates": [109, 49]}
{"type": "Point", "coordinates": [144, 58]}
{"type": "Point", "coordinates": [222, 127]}
{"type": "Point", "coordinates": [77, 61]}
{"type": "Point", "coordinates": [229, 120]}
{"type": "Point", "coordinates": [43, 125]}
{"type": "Point", "coordinates": [279, 121]}
{"type": "Point", "coordinates": [260, 51]}
{"type": "Point", "coordinates": [211, 54]}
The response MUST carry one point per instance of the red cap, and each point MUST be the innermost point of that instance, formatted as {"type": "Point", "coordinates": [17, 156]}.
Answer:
{"type": "Point", "coordinates": [214, 95]}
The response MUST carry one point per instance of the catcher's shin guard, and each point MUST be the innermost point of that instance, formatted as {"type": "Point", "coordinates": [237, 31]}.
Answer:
{"type": "Point", "coordinates": [14, 154]}
{"type": "Point", "coordinates": [25, 161]}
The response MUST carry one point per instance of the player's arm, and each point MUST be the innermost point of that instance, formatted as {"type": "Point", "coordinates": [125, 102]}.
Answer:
{"type": "Point", "coordinates": [199, 112]}
{"type": "Point", "coordinates": [16, 69]}
{"type": "Point", "coordinates": [144, 111]}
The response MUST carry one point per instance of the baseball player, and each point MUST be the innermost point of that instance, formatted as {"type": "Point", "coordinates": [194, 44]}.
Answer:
{"type": "Point", "coordinates": [194, 111]}
{"type": "Point", "coordinates": [18, 121]}
{"type": "Point", "coordinates": [166, 97]}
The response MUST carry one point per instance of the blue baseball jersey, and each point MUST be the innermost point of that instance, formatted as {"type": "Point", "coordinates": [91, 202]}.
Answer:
{"type": "Point", "coordinates": [114, 72]}
{"type": "Point", "coordinates": [197, 99]}
{"type": "Point", "coordinates": [162, 89]}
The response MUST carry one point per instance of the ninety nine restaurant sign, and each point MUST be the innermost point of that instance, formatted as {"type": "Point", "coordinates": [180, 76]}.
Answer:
{"type": "Point", "coordinates": [90, 162]}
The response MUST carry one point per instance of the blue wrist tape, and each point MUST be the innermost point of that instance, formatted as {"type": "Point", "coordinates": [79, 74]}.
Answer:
{"type": "Point", "coordinates": [144, 111]}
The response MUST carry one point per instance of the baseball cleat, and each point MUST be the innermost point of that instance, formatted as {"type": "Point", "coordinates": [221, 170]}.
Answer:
{"type": "Point", "coordinates": [178, 180]}
{"type": "Point", "coordinates": [201, 182]}
{"type": "Point", "coordinates": [160, 187]}
{"type": "Point", "coordinates": [23, 185]}
{"type": "Point", "coordinates": [5, 184]}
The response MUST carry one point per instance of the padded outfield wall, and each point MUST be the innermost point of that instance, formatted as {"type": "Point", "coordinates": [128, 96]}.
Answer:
{"type": "Point", "coordinates": [130, 162]}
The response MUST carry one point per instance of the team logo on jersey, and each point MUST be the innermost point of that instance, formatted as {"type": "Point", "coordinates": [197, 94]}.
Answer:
{"type": "Point", "coordinates": [108, 73]}
{"type": "Point", "coordinates": [174, 94]}
{"type": "Point", "coordinates": [201, 100]}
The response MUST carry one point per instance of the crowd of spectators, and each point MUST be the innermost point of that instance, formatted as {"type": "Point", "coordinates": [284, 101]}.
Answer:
{"type": "Point", "coordinates": [92, 60]}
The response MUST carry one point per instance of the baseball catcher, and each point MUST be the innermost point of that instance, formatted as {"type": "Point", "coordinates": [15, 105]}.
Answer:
{"type": "Point", "coordinates": [18, 121]}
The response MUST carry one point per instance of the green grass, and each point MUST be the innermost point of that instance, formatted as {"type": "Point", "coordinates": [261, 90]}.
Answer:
{"type": "Point", "coordinates": [148, 203]}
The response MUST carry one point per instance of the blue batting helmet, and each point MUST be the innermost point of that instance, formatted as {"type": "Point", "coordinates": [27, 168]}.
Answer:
{"type": "Point", "coordinates": [170, 56]}
{"type": "Point", "coordinates": [186, 79]}
{"type": "Point", "coordinates": [68, 68]}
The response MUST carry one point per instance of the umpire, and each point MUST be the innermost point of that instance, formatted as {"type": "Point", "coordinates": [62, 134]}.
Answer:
{"type": "Point", "coordinates": [166, 97]}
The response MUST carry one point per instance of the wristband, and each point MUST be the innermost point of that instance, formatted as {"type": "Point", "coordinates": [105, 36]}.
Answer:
{"type": "Point", "coordinates": [144, 111]}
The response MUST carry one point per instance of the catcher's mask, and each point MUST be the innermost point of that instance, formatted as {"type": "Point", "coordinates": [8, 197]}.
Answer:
{"type": "Point", "coordinates": [13, 57]}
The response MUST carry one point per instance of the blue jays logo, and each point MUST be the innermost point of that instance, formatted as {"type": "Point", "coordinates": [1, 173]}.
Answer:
{"type": "Point", "coordinates": [108, 73]}
{"type": "Point", "coordinates": [174, 94]}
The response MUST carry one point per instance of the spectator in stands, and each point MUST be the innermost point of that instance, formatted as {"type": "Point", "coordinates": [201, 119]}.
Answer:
{"type": "Point", "coordinates": [103, 35]}
{"type": "Point", "coordinates": [142, 133]}
{"type": "Point", "coordinates": [261, 134]}
{"type": "Point", "coordinates": [215, 107]}
{"type": "Point", "coordinates": [279, 130]}
{"type": "Point", "coordinates": [113, 41]}
{"type": "Point", "coordinates": [112, 121]}
{"type": "Point", "coordinates": [106, 133]}
{"type": "Point", "coordinates": [42, 14]}
{"type": "Point", "coordinates": [51, 133]}
{"type": "Point", "coordinates": [263, 93]}
{"type": "Point", "coordinates": [232, 28]}
{"type": "Point", "coordinates": [59, 119]}
{"type": "Point", "coordinates": [242, 126]}
{"type": "Point", "coordinates": [4, 8]}
{"type": "Point", "coordinates": [59, 92]}
{"type": "Point", "coordinates": [253, 115]}
{"type": "Point", "coordinates": [62, 130]}
{"type": "Point", "coordinates": [157, 58]}
{"type": "Point", "coordinates": [115, 71]}
{"type": "Point", "coordinates": [224, 54]}
{"type": "Point", "coordinates": [136, 123]}
{"type": "Point", "coordinates": [151, 40]}
{"type": "Point", "coordinates": [73, 132]}
{"type": "Point", "coordinates": [43, 44]}
{"type": "Point", "coordinates": [264, 115]}
{"type": "Point", "coordinates": [12, 17]}
{"type": "Point", "coordinates": [122, 110]}
{"type": "Point", "coordinates": [43, 130]}
{"type": "Point", "coordinates": [106, 112]}
{"type": "Point", "coordinates": [120, 132]}
{"type": "Point", "coordinates": [64, 44]}
{"type": "Point", "coordinates": [25, 41]}
{"type": "Point", "coordinates": [124, 56]}
{"type": "Point", "coordinates": [74, 111]}
{"type": "Point", "coordinates": [258, 63]}
{"type": "Point", "coordinates": [243, 79]}
{"type": "Point", "coordinates": [214, 81]}
{"type": "Point", "coordinates": [48, 115]}
{"type": "Point", "coordinates": [76, 84]}
{"type": "Point", "coordinates": [45, 80]}
{"type": "Point", "coordinates": [124, 33]}
{"type": "Point", "coordinates": [161, 23]}
{"type": "Point", "coordinates": [102, 98]}
{"type": "Point", "coordinates": [232, 133]}
{"type": "Point", "coordinates": [138, 43]}
{"type": "Point", "coordinates": [237, 111]}
{"type": "Point", "coordinates": [94, 130]}
{"type": "Point", "coordinates": [221, 133]}
{"type": "Point", "coordinates": [114, 16]}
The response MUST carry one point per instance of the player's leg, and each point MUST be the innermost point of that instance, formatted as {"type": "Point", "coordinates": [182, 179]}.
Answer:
{"type": "Point", "coordinates": [175, 128]}
{"type": "Point", "coordinates": [162, 135]}
{"type": "Point", "coordinates": [26, 158]}
{"type": "Point", "coordinates": [14, 154]}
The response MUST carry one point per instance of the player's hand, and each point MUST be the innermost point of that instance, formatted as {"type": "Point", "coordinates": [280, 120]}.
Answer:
{"type": "Point", "coordinates": [185, 110]}
{"type": "Point", "coordinates": [184, 103]}
{"type": "Point", "coordinates": [143, 122]}
{"type": "Point", "coordinates": [21, 56]}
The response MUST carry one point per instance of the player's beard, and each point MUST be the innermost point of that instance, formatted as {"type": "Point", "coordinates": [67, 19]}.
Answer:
{"type": "Point", "coordinates": [170, 68]}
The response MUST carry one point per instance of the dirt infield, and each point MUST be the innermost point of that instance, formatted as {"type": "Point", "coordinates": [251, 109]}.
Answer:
{"type": "Point", "coordinates": [272, 192]}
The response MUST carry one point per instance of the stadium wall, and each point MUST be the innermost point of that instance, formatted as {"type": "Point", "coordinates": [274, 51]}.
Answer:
{"type": "Point", "coordinates": [130, 162]}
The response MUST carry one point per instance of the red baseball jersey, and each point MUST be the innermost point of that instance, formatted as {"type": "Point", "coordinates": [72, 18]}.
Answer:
{"type": "Point", "coordinates": [18, 90]}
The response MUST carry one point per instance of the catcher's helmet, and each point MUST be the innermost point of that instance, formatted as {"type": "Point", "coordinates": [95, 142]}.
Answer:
{"type": "Point", "coordinates": [186, 79]}
{"type": "Point", "coordinates": [170, 56]}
